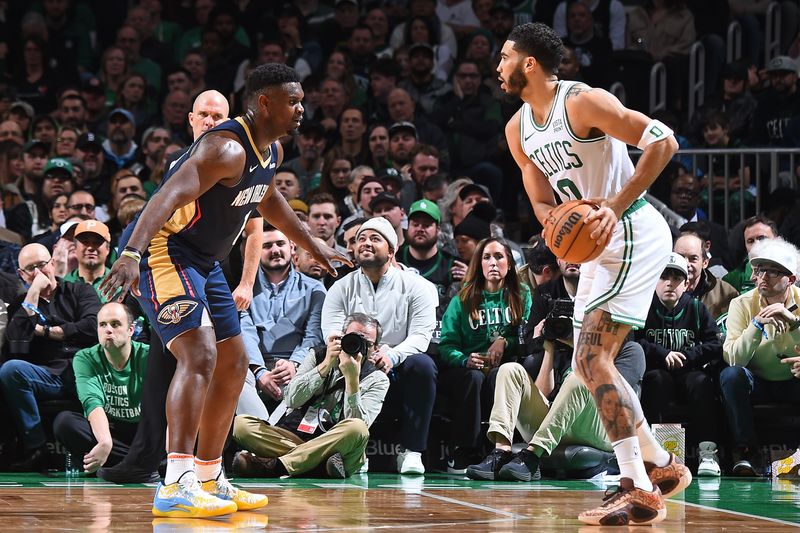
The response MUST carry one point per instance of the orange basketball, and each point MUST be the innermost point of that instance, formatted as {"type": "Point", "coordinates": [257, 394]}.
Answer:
{"type": "Point", "coordinates": [567, 235]}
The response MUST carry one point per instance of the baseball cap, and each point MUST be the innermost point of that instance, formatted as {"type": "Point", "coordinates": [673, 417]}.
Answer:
{"type": "Point", "coordinates": [124, 112]}
{"type": "Point", "coordinates": [391, 174]}
{"type": "Point", "coordinates": [537, 254]}
{"type": "Point", "coordinates": [678, 262]}
{"type": "Point", "coordinates": [59, 163]}
{"type": "Point", "coordinates": [67, 228]}
{"type": "Point", "coordinates": [385, 196]}
{"type": "Point", "coordinates": [425, 47]}
{"type": "Point", "coordinates": [397, 127]}
{"type": "Point", "coordinates": [93, 226]}
{"type": "Point", "coordinates": [25, 107]}
{"type": "Point", "coordinates": [298, 205]}
{"type": "Point", "coordinates": [781, 64]}
{"type": "Point", "coordinates": [735, 71]}
{"type": "Point", "coordinates": [382, 226]}
{"type": "Point", "coordinates": [473, 188]}
{"type": "Point", "coordinates": [33, 143]}
{"type": "Point", "coordinates": [477, 224]}
{"type": "Point", "coordinates": [87, 139]}
{"type": "Point", "coordinates": [776, 251]}
{"type": "Point", "coordinates": [93, 85]}
{"type": "Point", "coordinates": [427, 207]}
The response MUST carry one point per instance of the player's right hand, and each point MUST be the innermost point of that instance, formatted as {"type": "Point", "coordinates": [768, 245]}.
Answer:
{"type": "Point", "coordinates": [123, 276]}
{"type": "Point", "coordinates": [607, 220]}
{"type": "Point", "coordinates": [325, 256]}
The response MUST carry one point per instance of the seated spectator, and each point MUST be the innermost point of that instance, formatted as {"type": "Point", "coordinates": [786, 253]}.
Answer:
{"type": "Point", "coordinates": [777, 106]}
{"type": "Point", "coordinates": [108, 378]}
{"type": "Point", "coordinates": [282, 322]}
{"type": "Point", "coordinates": [388, 206]}
{"type": "Point", "coordinates": [756, 229]}
{"type": "Point", "coordinates": [305, 263]}
{"type": "Point", "coordinates": [542, 397]}
{"type": "Point", "coordinates": [24, 218]}
{"type": "Point", "coordinates": [331, 403]}
{"type": "Point", "coordinates": [684, 198]}
{"type": "Point", "coordinates": [288, 184]}
{"type": "Point", "coordinates": [684, 355]}
{"type": "Point", "coordinates": [735, 100]}
{"type": "Point", "coordinates": [592, 50]}
{"type": "Point", "coordinates": [472, 229]}
{"type": "Point", "coordinates": [82, 204]}
{"type": "Point", "coordinates": [119, 149]}
{"type": "Point", "coordinates": [44, 128]}
{"type": "Point", "coordinates": [403, 110]}
{"type": "Point", "coordinates": [761, 331]}
{"type": "Point", "coordinates": [421, 31]}
{"type": "Point", "coordinates": [323, 217]}
{"type": "Point", "coordinates": [364, 186]}
{"type": "Point", "coordinates": [58, 215]}
{"type": "Point", "coordinates": [715, 294]}
{"type": "Point", "coordinates": [405, 305]}
{"type": "Point", "coordinates": [45, 328]}
{"type": "Point", "coordinates": [608, 19]}
{"type": "Point", "coordinates": [307, 165]}
{"type": "Point", "coordinates": [422, 85]}
{"type": "Point", "coordinates": [479, 333]}
{"type": "Point", "coordinates": [66, 141]}
{"type": "Point", "coordinates": [92, 247]}
{"type": "Point", "coordinates": [540, 265]}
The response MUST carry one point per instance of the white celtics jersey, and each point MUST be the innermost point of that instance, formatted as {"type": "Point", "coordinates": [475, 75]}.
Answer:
{"type": "Point", "coordinates": [576, 168]}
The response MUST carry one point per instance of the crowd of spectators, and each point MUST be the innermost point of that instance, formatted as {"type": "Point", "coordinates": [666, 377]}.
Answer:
{"type": "Point", "coordinates": [401, 161]}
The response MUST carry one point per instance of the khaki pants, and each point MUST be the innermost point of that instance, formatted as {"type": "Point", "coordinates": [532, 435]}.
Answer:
{"type": "Point", "coordinates": [349, 437]}
{"type": "Point", "coordinates": [571, 419]}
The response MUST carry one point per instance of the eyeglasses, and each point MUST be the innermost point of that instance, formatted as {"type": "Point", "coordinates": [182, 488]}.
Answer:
{"type": "Point", "coordinates": [681, 191]}
{"type": "Point", "coordinates": [81, 207]}
{"type": "Point", "coordinates": [30, 269]}
{"type": "Point", "coordinates": [770, 273]}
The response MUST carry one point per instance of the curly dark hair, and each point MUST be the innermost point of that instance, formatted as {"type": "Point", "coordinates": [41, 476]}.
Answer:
{"type": "Point", "coordinates": [540, 41]}
{"type": "Point", "coordinates": [265, 76]}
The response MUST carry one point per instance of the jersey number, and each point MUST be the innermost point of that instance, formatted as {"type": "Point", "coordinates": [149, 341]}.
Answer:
{"type": "Point", "coordinates": [568, 188]}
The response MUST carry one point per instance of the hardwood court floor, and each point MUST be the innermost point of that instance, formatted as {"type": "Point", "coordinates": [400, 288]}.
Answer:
{"type": "Point", "coordinates": [379, 502]}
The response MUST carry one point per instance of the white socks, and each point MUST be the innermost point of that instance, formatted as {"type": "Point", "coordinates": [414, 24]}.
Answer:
{"type": "Point", "coordinates": [630, 462]}
{"type": "Point", "coordinates": [177, 465]}
{"type": "Point", "coordinates": [208, 470]}
{"type": "Point", "coordinates": [652, 452]}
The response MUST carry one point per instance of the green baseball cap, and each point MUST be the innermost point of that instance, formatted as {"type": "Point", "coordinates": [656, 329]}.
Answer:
{"type": "Point", "coordinates": [427, 207]}
{"type": "Point", "coordinates": [60, 163]}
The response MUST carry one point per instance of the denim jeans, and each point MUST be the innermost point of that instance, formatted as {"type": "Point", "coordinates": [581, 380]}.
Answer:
{"type": "Point", "coordinates": [740, 389]}
{"type": "Point", "coordinates": [23, 384]}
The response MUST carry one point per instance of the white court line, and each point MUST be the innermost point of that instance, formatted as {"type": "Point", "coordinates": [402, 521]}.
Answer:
{"type": "Point", "coordinates": [423, 526]}
{"type": "Point", "coordinates": [737, 513]}
{"type": "Point", "coordinates": [486, 508]}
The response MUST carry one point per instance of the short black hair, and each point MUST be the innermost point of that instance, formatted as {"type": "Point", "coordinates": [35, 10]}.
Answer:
{"type": "Point", "coordinates": [265, 76]}
{"type": "Point", "coordinates": [540, 41]}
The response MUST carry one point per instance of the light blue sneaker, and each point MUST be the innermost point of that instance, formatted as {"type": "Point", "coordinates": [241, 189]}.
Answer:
{"type": "Point", "coordinates": [186, 499]}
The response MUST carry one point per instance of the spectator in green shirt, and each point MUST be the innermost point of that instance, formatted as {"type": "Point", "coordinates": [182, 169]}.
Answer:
{"type": "Point", "coordinates": [480, 330]}
{"type": "Point", "coordinates": [756, 229]}
{"type": "Point", "coordinates": [108, 377]}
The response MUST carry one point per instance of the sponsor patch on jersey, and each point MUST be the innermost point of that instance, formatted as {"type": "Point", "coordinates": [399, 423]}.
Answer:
{"type": "Point", "coordinates": [176, 311]}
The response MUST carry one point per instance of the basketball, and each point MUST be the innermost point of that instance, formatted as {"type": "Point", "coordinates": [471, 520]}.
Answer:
{"type": "Point", "coordinates": [567, 235]}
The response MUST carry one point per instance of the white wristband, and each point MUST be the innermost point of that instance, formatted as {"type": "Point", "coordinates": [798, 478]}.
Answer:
{"type": "Point", "coordinates": [654, 132]}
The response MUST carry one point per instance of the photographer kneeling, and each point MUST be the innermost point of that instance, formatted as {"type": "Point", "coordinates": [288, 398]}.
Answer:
{"type": "Point", "coordinates": [544, 399]}
{"type": "Point", "coordinates": [327, 410]}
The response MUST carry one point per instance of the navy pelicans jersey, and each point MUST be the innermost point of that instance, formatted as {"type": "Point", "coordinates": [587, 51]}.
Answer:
{"type": "Point", "coordinates": [204, 230]}
{"type": "Point", "coordinates": [576, 168]}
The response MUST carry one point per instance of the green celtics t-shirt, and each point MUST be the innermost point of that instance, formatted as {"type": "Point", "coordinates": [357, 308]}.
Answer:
{"type": "Point", "coordinates": [118, 392]}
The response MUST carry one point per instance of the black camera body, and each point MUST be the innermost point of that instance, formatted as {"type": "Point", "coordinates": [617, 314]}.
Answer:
{"type": "Point", "coordinates": [353, 343]}
{"type": "Point", "coordinates": [558, 322]}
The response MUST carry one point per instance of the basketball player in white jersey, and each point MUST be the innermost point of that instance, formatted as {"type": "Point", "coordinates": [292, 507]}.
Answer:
{"type": "Point", "coordinates": [572, 138]}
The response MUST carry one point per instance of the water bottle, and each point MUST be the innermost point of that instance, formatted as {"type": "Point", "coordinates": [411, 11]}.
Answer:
{"type": "Point", "coordinates": [70, 468]}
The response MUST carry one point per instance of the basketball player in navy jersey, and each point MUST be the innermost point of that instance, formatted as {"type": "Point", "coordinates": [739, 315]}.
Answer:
{"type": "Point", "coordinates": [170, 260]}
{"type": "Point", "coordinates": [571, 138]}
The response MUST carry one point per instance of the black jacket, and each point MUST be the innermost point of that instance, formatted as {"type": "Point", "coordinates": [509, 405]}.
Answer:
{"type": "Point", "coordinates": [689, 329]}
{"type": "Point", "coordinates": [73, 307]}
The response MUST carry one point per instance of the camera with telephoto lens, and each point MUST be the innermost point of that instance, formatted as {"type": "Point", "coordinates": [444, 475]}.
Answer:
{"type": "Point", "coordinates": [353, 343]}
{"type": "Point", "coordinates": [558, 322]}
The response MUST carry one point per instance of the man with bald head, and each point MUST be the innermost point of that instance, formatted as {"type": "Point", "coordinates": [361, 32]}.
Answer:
{"type": "Point", "coordinates": [46, 326]}
{"type": "Point", "coordinates": [715, 293]}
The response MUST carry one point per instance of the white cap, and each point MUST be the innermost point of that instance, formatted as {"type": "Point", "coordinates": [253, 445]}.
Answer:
{"type": "Point", "coordinates": [776, 251]}
{"type": "Point", "coordinates": [382, 226]}
{"type": "Point", "coordinates": [678, 262]}
{"type": "Point", "coordinates": [68, 225]}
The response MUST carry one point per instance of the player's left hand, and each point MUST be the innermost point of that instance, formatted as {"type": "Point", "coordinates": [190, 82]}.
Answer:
{"type": "Point", "coordinates": [325, 256]}
{"type": "Point", "coordinates": [607, 220]}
